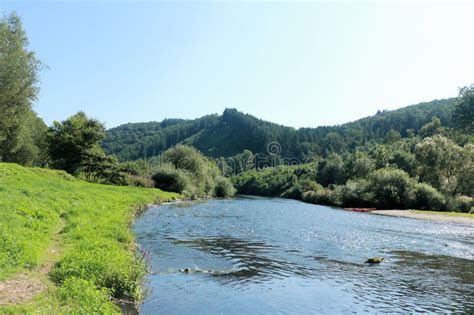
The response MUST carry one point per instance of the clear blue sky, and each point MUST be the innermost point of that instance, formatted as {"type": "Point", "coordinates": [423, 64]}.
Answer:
{"type": "Point", "coordinates": [298, 64]}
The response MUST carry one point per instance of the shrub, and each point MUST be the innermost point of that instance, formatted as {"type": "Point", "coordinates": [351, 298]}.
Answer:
{"type": "Point", "coordinates": [353, 194]}
{"type": "Point", "coordinates": [187, 171]}
{"type": "Point", "coordinates": [425, 197]}
{"type": "Point", "coordinates": [171, 179]}
{"type": "Point", "coordinates": [461, 204]}
{"type": "Point", "coordinates": [296, 191]}
{"type": "Point", "coordinates": [224, 188]}
{"type": "Point", "coordinates": [140, 181]}
{"type": "Point", "coordinates": [390, 188]}
{"type": "Point", "coordinates": [321, 197]}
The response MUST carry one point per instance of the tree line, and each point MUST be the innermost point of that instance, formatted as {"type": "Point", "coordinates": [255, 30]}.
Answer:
{"type": "Point", "coordinates": [432, 169]}
{"type": "Point", "coordinates": [419, 156]}
{"type": "Point", "coordinates": [75, 144]}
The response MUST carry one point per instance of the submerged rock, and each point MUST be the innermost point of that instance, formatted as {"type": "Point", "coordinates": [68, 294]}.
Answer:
{"type": "Point", "coordinates": [374, 260]}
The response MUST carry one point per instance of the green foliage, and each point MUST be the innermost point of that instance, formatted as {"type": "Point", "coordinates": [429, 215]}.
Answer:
{"type": "Point", "coordinates": [445, 165]}
{"type": "Point", "coordinates": [21, 131]}
{"type": "Point", "coordinates": [183, 169]}
{"type": "Point", "coordinates": [272, 181]}
{"type": "Point", "coordinates": [358, 165]}
{"type": "Point", "coordinates": [355, 193]}
{"type": "Point", "coordinates": [299, 187]}
{"type": "Point", "coordinates": [463, 115]}
{"type": "Point", "coordinates": [74, 147]}
{"type": "Point", "coordinates": [432, 128]}
{"type": "Point", "coordinates": [84, 297]}
{"type": "Point", "coordinates": [72, 140]}
{"type": "Point", "coordinates": [331, 170]}
{"type": "Point", "coordinates": [390, 188]}
{"type": "Point", "coordinates": [233, 132]}
{"type": "Point", "coordinates": [171, 179]}
{"type": "Point", "coordinates": [426, 197]}
{"type": "Point", "coordinates": [460, 204]}
{"type": "Point", "coordinates": [224, 188]}
{"type": "Point", "coordinates": [320, 197]}
{"type": "Point", "coordinates": [96, 241]}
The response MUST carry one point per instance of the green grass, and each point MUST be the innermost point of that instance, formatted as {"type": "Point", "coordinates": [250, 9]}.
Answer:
{"type": "Point", "coordinates": [445, 213]}
{"type": "Point", "coordinates": [97, 247]}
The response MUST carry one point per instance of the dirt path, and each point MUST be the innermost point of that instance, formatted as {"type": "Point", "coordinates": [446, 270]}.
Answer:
{"type": "Point", "coordinates": [424, 216]}
{"type": "Point", "coordinates": [22, 287]}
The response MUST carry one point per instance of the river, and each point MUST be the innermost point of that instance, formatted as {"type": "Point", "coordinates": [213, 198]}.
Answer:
{"type": "Point", "coordinates": [275, 256]}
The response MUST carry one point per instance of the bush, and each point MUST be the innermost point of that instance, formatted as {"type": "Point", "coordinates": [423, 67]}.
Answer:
{"type": "Point", "coordinates": [171, 179]}
{"type": "Point", "coordinates": [461, 204]}
{"type": "Point", "coordinates": [354, 194]}
{"type": "Point", "coordinates": [140, 181]}
{"type": "Point", "coordinates": [224, 188]}
{"type": "Point", "coordinates": [390, 188]}
{"type": "Point", "coordinates": [425, 197]}
{"type": "Point", "coordinates": [296, 191]}
{"type": "Point", "coordinates": [320, 197]}
{"type": "Point", "coordinates": [271, 181]}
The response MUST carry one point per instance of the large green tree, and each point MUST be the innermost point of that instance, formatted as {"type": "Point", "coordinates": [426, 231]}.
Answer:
{"type": "Point", "coordinates": [464, 111]}
{"type": "Point", "coordinates": [445, 165]}
{"type": "Point", "coordinates": [19, 125]}
{"type": "Point", "coordinates": [75, 141]}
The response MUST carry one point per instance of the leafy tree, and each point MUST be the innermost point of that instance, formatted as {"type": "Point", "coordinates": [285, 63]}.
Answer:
{"type": "Point", "coordinates": [331, 170]}
{"type": "Point", "coordinates": [392, 136]}
{"type": "Point", "coordinates": [19, 70]}
{"type": "Point", "coordinates": [432, 128]}
{"type": "Point", "coordinates": [73, 141]}
{"type": "Point", "coordinates": [464, 112]}
{"type": "Point", "coordinates": [390, 188]}
{"type": "Point", "coordinates": [185, 170]}
{"type": "Point", "coordinates": [358, 165]}
{"type": "Point", "coordinates": [299, 187]}
{"type": "Point", "coordinates": [445, 165]}
{"type": "Point", "coordinates": [426, 197]}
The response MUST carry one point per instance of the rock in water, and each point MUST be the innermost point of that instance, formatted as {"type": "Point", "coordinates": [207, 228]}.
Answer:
{"type": "Point", "coordinates": [375, 260]}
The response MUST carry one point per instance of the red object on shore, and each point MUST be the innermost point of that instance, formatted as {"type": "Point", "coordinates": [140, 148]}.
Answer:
{"type": "Point", "coordinates": [360, 209]}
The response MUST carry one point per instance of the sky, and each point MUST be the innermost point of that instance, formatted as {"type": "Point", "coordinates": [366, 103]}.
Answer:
{"type": "Point", "coordinates": [301, 64]}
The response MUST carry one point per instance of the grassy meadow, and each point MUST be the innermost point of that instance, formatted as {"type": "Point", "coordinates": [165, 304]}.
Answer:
{"type": "Point", "coordinates": [89, 224]}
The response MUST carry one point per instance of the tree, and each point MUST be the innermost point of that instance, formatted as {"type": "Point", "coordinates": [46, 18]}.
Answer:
{"type": "Point", "coordinates": [445, 165]}
{"type": "Point", "coordinates": [331, 170]}
{"type": "Point", "coordinates": [73, 141]}
{"type": "Point", "coordinates": [359, 165]}
{"type": "Point", "coordinates": [390, 188]}
{"type": "Point", "coordinates": [19, 88]}
{"type": "Point", "coordinates": [463, 115]}
{"type": "Point", "coordinates": [432, 128]}
{"type": "Point", "coordinates": [392, 136]}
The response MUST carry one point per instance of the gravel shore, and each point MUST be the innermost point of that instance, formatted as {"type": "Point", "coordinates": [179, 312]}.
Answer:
{"type": "Point", "coordinates": [424, 216]}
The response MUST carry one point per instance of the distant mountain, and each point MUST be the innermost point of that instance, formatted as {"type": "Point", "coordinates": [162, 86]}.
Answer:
{"type": "Point", "coordinates": [232, 132]}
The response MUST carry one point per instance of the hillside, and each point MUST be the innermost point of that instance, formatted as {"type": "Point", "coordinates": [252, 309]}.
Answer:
{"type": "Point", "coordinates": [232, 132]}
{"type": "Point", "coordinates": [66, 243]}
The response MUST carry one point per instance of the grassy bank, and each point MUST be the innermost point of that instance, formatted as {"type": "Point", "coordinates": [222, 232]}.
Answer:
{"type": "Point", "coordinates": [90, 225]}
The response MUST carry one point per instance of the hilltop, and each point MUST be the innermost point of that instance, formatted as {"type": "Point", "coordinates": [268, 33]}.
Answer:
{"type": "Point", "coordinates": [232, 132]}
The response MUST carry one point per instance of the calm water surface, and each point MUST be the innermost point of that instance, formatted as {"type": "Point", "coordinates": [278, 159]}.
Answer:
{"type": "Point", "coordinates": [276, 256]}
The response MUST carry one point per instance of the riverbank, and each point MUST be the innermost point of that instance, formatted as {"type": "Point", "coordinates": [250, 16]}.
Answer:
{"type": "Point", "coordinates": [429, 215]}
{"type": "Point", "coordinates": [66, 245]}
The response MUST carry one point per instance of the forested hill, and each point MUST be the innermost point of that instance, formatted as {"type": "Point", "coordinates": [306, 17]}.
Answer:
{"type": "Point", "coordinates": [232, 132]}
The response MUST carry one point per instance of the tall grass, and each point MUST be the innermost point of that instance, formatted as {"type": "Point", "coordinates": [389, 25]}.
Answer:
{"type": "Point", "coordinates": [97, 249]}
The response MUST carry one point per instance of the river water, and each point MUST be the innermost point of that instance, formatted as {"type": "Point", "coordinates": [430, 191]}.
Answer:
{"type": "Point", "coordinates": [274, 256]}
